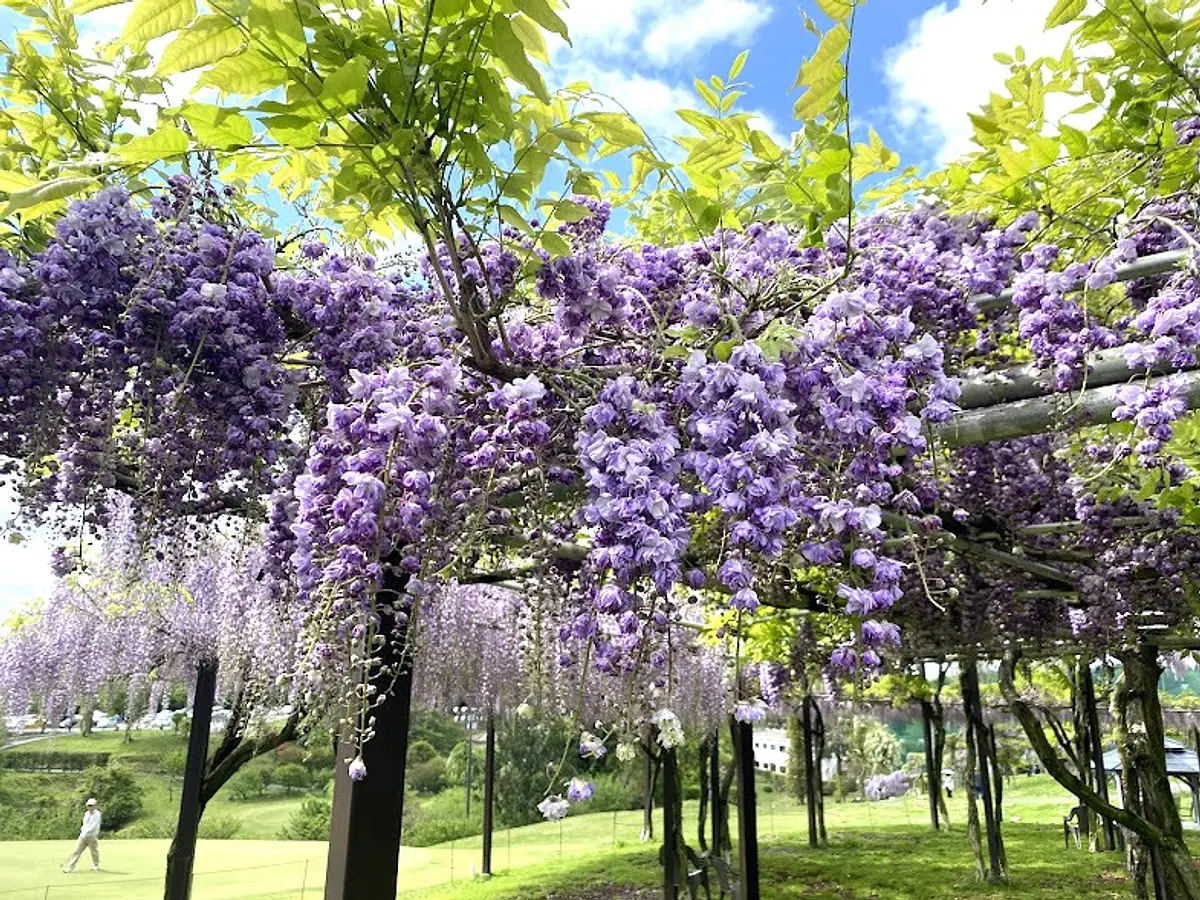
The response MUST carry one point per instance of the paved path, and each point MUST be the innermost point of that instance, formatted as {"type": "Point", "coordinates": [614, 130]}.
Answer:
{"type": "Point", "coordinates": [25, 739]}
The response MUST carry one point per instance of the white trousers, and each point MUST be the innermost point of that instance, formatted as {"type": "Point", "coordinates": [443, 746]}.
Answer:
{"type": "Point", "coordinates": [88, 842]}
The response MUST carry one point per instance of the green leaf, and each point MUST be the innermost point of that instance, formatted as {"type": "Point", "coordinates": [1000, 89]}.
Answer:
{"type": "Point", "coordinates": [510, 215]}
{"type": "Point", "coordinates": [816, 99]}
{"type": "Point", "coordinates": [1064, 11]}
{"type": "Point", "coordinates": [531, 37]}
{"type": "Point", "coordinates": [346, 87]}
{"type": "Point", "coordinates": [777, 338]}
{"type": "Point", "coordinates": [206, 41]}
{"type": "Point", "coordinates": [293, 131]}
{"type": "Point", "coordinates": [838, 10]}
{"type": "Point", "coordinates": [540, 12]}
{"type": "Point", "coordinates": [81, 7]}
{"type": "Point", "coordinates": [821, 65]}
{"type": "Point", "coordinates": [154, 18]}
{"type": "Point", "coordinates": [247, 75]}
{"type": "Point", "coordinates": [45, 192]}
{"type": "Point", "coordinates": [566, 211]}
{"type": "Point", "coordinates": [706, 93]}
{"type": "Point", "coordinates": [512, 53]}
{"type": "Point", "coordinates": [617, 128]}
{"type": "Point", "coordinates": [221, 129]}
{"type": "Point", "coordinates": [764, 146]}
{"type": "Point", "coordinates": [738, 63]}
{"type": "Point", "coordinates": [555, 244]}
{"type": "Point", "coordinates": [277, 28]}
{"type": "Point", "coordinates": [162, 143]}
{"type": "Point", "coordinates": [569, 135]}
{"type": "Point", "coordinates": [730, 99]}
{"type": "Point", "coordinates": [1074, 140]}
{"type": "Point", "coordinates": [723, 350]}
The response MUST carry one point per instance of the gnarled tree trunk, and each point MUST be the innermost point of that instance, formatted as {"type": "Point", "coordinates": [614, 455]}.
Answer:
{"type": "Point", "coordinates": [1149, 813]}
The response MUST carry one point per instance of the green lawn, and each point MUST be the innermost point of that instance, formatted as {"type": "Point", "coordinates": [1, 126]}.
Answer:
{"type": "Point", "coordinates": [882, 850]}
{"type": "Point", "coordinates": [261, 818]}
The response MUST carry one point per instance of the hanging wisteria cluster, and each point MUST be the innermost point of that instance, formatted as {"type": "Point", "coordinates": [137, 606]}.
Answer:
{"type": "Point", "coordinates": [686, 426]}
{"type": "Point", "coordinates": [144, 620]}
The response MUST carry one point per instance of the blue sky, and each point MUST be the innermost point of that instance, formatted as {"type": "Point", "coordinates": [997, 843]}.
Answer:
{"type": "Point", "coordinates": [917, 69]}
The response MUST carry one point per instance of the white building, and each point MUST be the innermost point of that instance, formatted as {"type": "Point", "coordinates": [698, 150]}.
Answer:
{"type": "Point", "coordinates": [771, 749]}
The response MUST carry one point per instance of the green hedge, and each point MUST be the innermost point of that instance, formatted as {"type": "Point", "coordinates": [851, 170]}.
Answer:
{"type": "Point", "coordinates": [51, 760]}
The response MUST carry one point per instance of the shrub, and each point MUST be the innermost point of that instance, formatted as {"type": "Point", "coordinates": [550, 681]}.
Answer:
{"type": "Point", "coordinates": [149, 829]}
{"type": "Point", "coordinates": [523, 747]}
{"type": "Point", "coordinates": [428, 777]}
{"type": "Point", "coordinates": [116, 790]}
{"type": "Point", "coordinates": [426, 832]}
{"type": "Point", "coordinates": [440, 818]}
{"type": "Point", "coordinates": [30, 813]}
{"type": "Point", "coordinates": [286, 754]}
{"type": "Point", "coordinates": [421, 752]}
{"type": "Point", "coordinates": [291, 776]}
{"type": "Point", "coordinates": [437, 728]}
{"type": "Point", "coordinates": [612, 793]}
{"type": "Point", "coordinates": [173, 763]}
{"type": "Point", "coordinates": [310, 822]}
{"type": "Point", "coordinates": [50, 760]}
{"type": "Point", "coordinates": [220, 828]}
{"type": "Point", "coordinates": [319, 756]}
{"type": "Point", "coordinates": [247, 784]}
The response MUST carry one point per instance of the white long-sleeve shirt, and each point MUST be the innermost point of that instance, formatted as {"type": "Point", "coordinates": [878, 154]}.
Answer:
{"type": "Point", "coordinates": [91, 824]}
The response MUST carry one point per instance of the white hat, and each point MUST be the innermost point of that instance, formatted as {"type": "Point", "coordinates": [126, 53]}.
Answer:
{"type": "Point", "coordinates": [91, 801]}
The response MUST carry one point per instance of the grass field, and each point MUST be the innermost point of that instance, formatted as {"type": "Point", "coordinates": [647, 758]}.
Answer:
{"type": "Point", "coordinates": [878, 850]}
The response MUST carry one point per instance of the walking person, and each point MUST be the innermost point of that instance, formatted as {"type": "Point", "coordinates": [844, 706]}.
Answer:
{"type": "Point", "coordinates": [948, 783]}
{"type": "Point", "coordinates": [89, 838]}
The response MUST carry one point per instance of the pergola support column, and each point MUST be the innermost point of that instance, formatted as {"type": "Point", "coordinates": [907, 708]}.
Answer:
{"type": "Point", "coordinates": [489, 790]}
{"type": "Point", "coordinates": [743, 748]}
{"type": "Point", "coordinates": [364, 842]}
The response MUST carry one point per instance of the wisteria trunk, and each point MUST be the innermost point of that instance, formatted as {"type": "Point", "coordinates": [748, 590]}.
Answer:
{"type": "Point", "coordinates": [796, 769]}
{"type": "Point", "coordinates": [939, 756]}
{"type": "Point", "coordinates": [85, 716]}
{"type": "Point", "coordinates": [810, 797]}
{"type": "Point", "coordinates": [1142, 735]}
{"type": "Point", "coordinates": [973, 833]}
{"type": "Point", "coordinates": [977, 737]}
{"type": "Point", "coordinates": [819, 794]}
{"type": "Point", "coordinates": [182, 853]}
{"type": "Point", "coordinates": [931, 770]}
{"type": "Point", "coordinates": [650, 777]}
{"type": "Point", "coordinates": [1082, 750]}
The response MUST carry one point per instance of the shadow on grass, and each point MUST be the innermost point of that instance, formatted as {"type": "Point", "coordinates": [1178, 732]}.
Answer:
{"type": "Point", "coordinates": [895, 863]}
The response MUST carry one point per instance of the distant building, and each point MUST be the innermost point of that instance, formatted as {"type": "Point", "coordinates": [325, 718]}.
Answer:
{"type": "Point", "coordinates": [771, 749]}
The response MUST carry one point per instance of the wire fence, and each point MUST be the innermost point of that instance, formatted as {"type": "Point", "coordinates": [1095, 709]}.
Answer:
{"type": "Point", "coordinates": [420, 867]}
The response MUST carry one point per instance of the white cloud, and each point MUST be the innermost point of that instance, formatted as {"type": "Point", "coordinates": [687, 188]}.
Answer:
{"type": "Point", "coordinates": [651, 101]}
{"type": "Point", "coordinates": [707, 23]}
{"type": "Point", "coordinates": [644, 54]}
{"type": "Point", "coordinates": [662, 32]}
{"type": "Point", "coordinates": [945, 67]}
